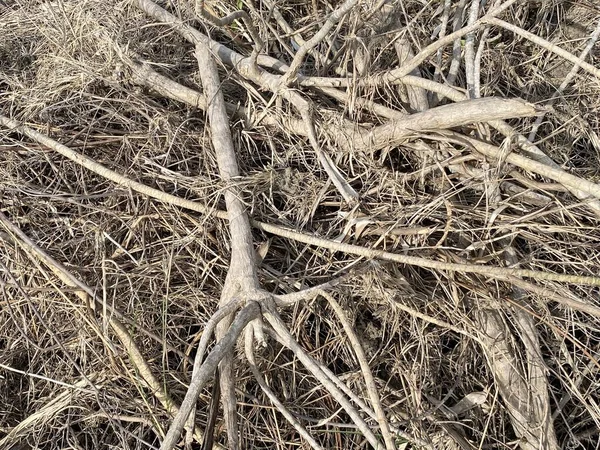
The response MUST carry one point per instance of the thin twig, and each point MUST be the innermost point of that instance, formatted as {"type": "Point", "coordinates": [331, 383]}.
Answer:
{"type": "Point", "coordinates": [470, 50]}
{"type": "Point", "coordinates": [285, 338]}
{"type": "Point", "coordinates": [482, 147]}
{"type": "Point", "coordinates": [297, 36]}
{"type": "Point", "coordinates": [237, 15]}
{"type": "Point", "coordinates": [457, 44]}
{"type": "Point", "coordinates": [365, 369]}
{"type": "Point", "coordinates": [249, 349]}
{"type": "Point", "coordinates": [333, 18]}
{"type": "Point", "coordinates": [85, 293]}
{"type": "Point", "coordinates": [591, 42]}
{"type": "Point", "coordinates": [500, 273]}
{"type": "Point", "coordinates": [544, 44]}
{"type": "Point", "coordinates": [389, 77]}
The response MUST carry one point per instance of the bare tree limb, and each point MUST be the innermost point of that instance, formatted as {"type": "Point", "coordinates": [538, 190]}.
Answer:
{"type": "Point", "coordinates": [286, 339]}
{"type": "Point", "coordinates": [335, 17]}
{"type": "Point", "coordinates": [237, 15]}
{"type": "Point", "coordinates": [366, 371]}
{"type": "Point", "coordinates": [446, 116]}
{"type": "Point", "coordinates": [249, 349]}
{"type": "Point", "coordinates": [266, 80]}
{"type": "Point", "coordinates": [241, 279]}
{"type": "Point", "coordinates": [205, 372]}
{"type": "Point", "coordinates": [85, 293]}
{"type": "Point", "coordinates": [544, 44]}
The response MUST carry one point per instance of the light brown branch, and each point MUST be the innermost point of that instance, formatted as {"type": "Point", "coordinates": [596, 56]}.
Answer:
{"type": "Point", "coordinates": [447, 116]}
{"type": "Point", "coordinates": [285, 338]}
{"type": "Point", "coordinates": [334, 18]}
{"type": "Point", "coordinates": [249, 349]}
{"type": "Point", "coordinates": [365, 369]}
{"type": "Point", "coordinates": [85, 293]}
{"type": "Point", "coordinates": [103, 171]}
{"type": "Point", "coordinates": [391, 76]}
{"type": "Point", "coordinates": [205, 372]}
{"type": "Point", "coordinates": [544, 44]}
{"type": "Point", "coordinates": [241, 279]}
{"type": "Point", "coordinates": [266, 80]}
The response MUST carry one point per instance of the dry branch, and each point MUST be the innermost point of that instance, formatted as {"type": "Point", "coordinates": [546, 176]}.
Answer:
{"type": "Point", "coordinates": [241, 280]}
{"type": "Point", "coordinates": [249, 350]}
{"type": "Point", "coordinates": [364, 366]}
{"type": "Point", "coordinates": [247, 69]}
{"type": "Point", "coordinates": [335, 17]}
{"type": "Point", "coordinates": [545, 44]}
{"type": "Point", "coordinates": [285, 338]}
{"type": "Point", "coordinates": [487, 149]}
{"type": "Point", "coordinates": [437, 235]}
{"type": "Point", "coordinates": [86, 294]}
{"type": "Point", "coordinates": [409, 66]}
{"type": "Point", "coordinates": [444, 117]}
{"type": "Point", "coordinates": [206, 371]}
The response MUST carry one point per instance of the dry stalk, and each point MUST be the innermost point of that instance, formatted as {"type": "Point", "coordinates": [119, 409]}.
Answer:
{"type": "Point", "coordinates": [529, 416]}
{"type": "Point", "coordinates": [586, 50]}
{"type": "Point", "coordinates": [544, 44]}
{"type": "Point", "coordinates": [98, 168]}
{"type": "Point", "coordinates": [266, 80]}
{"type": "Point", "coordinates": [471, 75]}
{"type": "Point", "coordinates": [493, 272]}
{"type": "Point", "coordinates": [530, 149]}
{"type": "Point", "coordinates": [364, 367]}
{"type": "Point", "coordinates": [530, 165]}
{"type": "Point", "coordinates": [305, 48]}
{"type": "Point", "coordinates": [86, 294]}
{"type": "Point", "coordinates": [249, 351]}
{"type": "Point", "coordinates": [391, 76]}
{"type": "Point", "coordinates": [284, 337]}
{"type": "Point", "coordinates": [423, 192]}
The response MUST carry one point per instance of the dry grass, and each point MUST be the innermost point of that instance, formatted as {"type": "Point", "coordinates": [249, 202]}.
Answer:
{"type": "Point", "coordinates": [66, 381]}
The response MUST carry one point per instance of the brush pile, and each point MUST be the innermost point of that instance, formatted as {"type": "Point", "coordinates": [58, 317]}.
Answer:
{"type": "Point", "coordinates": [299, 224]}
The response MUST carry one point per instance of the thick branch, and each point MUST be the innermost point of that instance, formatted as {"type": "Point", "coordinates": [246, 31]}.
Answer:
{"type": "Point", "coordinates": [241, 277]}
{"type": "Point", "coordinates": [447, 116]}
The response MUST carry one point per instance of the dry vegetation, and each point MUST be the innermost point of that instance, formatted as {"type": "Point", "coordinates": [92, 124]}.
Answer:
{"type": "Point", "coordinates": [410, 218]}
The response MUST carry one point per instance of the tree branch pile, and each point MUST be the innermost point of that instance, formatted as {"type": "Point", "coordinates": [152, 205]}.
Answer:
{"type": "Point", "coordinates": [299, 224]}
